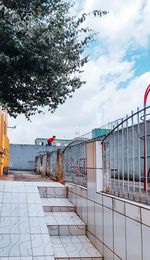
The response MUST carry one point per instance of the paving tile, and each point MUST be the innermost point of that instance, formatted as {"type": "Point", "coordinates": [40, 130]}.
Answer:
{"type": "Point", "coordinates": [45, 201]}
{"type": "Point", "coordinates": [67, 218]}
{"type": "Point", "coordinates": [14, 225]}
{"type": "Point", "coordinates": [56, 192]}
{"type": "Point", "coordinates": [84, 239]}
{"type": "Point", "coordinates": [81, 250]}
{"type": "Point", "coordinates": [72, 230]}
{"type": "Point", "coordinates": [1, 188]}
{"type": "Point", "coordinates": [59, 251]}
{"type": "Point", "coordinates": [1, 196]}
{"type": "Point", "coordinates": [35, 210]}
{"type": "Point", "coordinates": [56, 239]}
{"type": "Point", "coordinates": [19, 198]}
{"type": "Point", "coordinates": [19, 210]}
{"type": "Point", "coordinates": [69, 239]}
{"type": "Point", "coordinates": [41, 245]}
{"type": "Point", "coordinates": [15, 245]}
{"type": "Point", "coordinates": [14, 188]}
{"type": "Point", "coordinates": [22, 212]}
{"type": "Point", "coordinates": [43, 258]}
{"type": "Point", "coordinates": [17, 258]}
{"type": "Point", "coordinates": [38, 225]}
{"type": "Point", "coordinates": [33, 198]}
{"type": "Point", "coordinates": [56, 202]}
{"type": "Point", "coordinates": [57, 205]}
{"type": "Point", "coordinates": [31, 189]}
{"type": "Point", "coordinates": [50, 219]}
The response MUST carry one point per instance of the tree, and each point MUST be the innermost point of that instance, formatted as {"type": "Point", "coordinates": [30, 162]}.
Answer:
{"type": "Point", "coordinates": [41, 54]}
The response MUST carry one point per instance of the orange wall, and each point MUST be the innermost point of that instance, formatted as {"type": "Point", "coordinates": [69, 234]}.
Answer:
{"type": "Point", "coordinates": [4, 143]}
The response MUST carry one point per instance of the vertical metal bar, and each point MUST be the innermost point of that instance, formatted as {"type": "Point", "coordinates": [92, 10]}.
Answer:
{"type": "Point", "coordinates": [114, 162]}
{"type": "Point", "coordinates": [103, 163]}
{"type": "Point", "coordinates": [118, 139]}
{"type": "Point", "coordinates": [146, 141]}
{"type": "Point", "coordinates": [145, 152]}
{"type": "Point", "coordinates": [139, 152]}
{"type": "Point", "coordinates": [127, 154]}
{"type": "Point", "coordinates": [106, 167]}
{"type": "Point", "coordinates": [133, 155]}
{"type": "Point", "coordinates": [85, 162]}
{"type": "Point", "coordinates": [109, 165]}
{"type": "Point", "coordinates": [109, 159]}
{"type": "Point", "coordinates": [122, 154]}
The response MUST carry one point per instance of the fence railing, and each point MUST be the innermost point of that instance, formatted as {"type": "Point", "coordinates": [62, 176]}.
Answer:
{"type": "Point", "coordinates": [126, 157]}
{"type": "Point", "coordinates": [41, 163]}
{"type": "Point", "coordinates": [75, 162]}
{"type": "Point", "coordinates": [67, 165]}
{"type": "Point", "coordinates": [50, 164]}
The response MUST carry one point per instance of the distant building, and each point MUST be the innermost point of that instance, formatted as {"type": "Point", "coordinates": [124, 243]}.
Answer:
{"type": "Point", "coordinates": [97, 132]}
{"type": "Point", "coordinates": [57, 142]}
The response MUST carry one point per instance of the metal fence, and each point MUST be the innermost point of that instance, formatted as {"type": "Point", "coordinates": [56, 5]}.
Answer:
{"type": "Point", "coordinates": [126, 157]}
{"type": "Point", "coordinates": [75, 162]}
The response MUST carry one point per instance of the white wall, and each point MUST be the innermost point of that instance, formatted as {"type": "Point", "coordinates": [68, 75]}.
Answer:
{"type": "Point", "coordinates": [119, 228]}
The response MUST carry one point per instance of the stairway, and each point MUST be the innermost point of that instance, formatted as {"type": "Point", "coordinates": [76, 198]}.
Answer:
{"type": "Point", "coordinates": [66, 229]}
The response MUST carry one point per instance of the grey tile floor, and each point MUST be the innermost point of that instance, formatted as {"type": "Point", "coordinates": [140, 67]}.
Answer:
{"type": "Point", "coordinates": [24, 226]}
{"type": "Point", "coordinates": [23, 231]}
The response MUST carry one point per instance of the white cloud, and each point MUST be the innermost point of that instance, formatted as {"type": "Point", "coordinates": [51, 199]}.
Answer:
{"type": "Point", "coordinates": [126, 99]}
{"type": "Point", "coordinates": [126, 25]}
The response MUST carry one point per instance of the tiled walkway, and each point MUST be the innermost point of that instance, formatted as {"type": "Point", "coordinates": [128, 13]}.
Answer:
{"type": "Point", "coordinates": [23, 230]}
{"type": "Point", "coordinates": [37, 222]}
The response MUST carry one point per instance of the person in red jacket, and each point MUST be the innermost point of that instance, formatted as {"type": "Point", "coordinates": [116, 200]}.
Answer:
{"type": "Point", "coordinates": [51, 139]}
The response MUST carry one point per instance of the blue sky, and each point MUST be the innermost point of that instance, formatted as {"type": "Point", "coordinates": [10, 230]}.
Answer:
{"type": "Point", "coordinates": [116, 76]}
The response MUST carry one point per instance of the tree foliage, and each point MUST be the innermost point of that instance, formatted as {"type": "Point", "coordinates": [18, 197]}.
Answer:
{"type": "Point", "coordinates": [41, 54]}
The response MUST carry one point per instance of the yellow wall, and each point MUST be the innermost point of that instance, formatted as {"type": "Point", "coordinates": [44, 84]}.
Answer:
{"type": "Point", "coordinates": [4, 143]}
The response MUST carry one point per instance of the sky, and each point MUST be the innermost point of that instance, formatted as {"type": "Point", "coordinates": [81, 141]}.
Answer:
{"type": "Point", "coordinates": [116, 75]}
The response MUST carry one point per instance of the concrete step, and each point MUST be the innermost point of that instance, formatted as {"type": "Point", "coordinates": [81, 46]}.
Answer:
{"type": "Point", "coordinates": [74, 247]}
{"type": "Point", "coordinates": [57, 205]}
{"type": "Point", "coordinates": [64, 223]}
{"type": "Point", "coordinates": [53, 192]}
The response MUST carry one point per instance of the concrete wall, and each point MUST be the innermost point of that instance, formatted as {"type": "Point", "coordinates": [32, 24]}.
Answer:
{"type": "Point", "coordinates": [119, 228]}
{"type": "Point", "coordinates": [22, 156]}
{"type": "Point", "coordinates": [122, 150]}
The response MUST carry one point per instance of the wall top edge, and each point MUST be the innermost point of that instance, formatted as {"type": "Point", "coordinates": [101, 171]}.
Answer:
{"type": "Point", "coordinates": [134, 203]}
{"type": "Point", "coordinates": [75, 185]}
